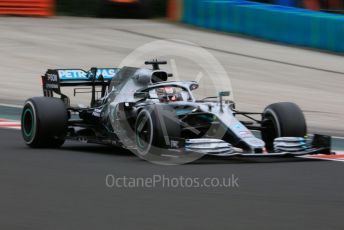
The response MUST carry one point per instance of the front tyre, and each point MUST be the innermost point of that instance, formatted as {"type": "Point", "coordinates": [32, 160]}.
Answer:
{"type": "Point", "coordinates": [283, 119]}
{"type": "Point", "coordinates": [44, 122]}
{"type": "Point", "coordinates": [144, 132]}
{"type": "Point", "coordinates": [155, 128]}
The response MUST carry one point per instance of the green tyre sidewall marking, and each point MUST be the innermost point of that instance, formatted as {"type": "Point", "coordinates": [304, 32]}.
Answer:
{"type": "Point", "coordinates": [138, 139]}
{"type": "Point", "coordinates": [28, 134]}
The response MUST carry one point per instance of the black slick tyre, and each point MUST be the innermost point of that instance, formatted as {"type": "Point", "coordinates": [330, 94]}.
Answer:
{"type": "Point", "coordinates": [44, 122]}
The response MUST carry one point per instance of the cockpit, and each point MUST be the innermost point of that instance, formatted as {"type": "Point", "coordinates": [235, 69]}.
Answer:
{"type": "Point", "coordinates": [169, 93]}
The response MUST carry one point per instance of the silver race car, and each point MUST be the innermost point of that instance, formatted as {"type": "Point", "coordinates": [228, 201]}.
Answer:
{"type": "Point", "coordinates": [141, 110]}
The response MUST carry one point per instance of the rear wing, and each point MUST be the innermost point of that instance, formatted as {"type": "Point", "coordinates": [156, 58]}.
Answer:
{"type": "Point", "coordinates": [54, 79]}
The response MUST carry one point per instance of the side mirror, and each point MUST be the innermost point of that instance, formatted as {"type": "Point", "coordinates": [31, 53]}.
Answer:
{"type": "Point", "coordinates": [141, 95]}
{"type": "Point", "coordinates": [193, 86]}
{"type": "Point", "coordinates": [224, 93]}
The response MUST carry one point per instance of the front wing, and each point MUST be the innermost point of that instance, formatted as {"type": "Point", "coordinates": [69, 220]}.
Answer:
{"type": "Point", "coordinates": [285, 146]}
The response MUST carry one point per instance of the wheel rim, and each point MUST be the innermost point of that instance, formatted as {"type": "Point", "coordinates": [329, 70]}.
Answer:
{"type": "Point", "coordinates": [28, 122]}
{"type": "Point", "coordinates": [144, 134]}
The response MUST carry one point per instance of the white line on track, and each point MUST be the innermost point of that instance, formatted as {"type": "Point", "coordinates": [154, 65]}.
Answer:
{"type": "Point", "coordinates": [11, 105]}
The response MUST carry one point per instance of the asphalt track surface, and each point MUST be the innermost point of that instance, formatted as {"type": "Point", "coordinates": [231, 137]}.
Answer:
{"type": "Point", "coordinates": [66, 189]}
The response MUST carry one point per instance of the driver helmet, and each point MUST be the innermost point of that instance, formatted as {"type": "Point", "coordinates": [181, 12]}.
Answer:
{"type": "Point", "coordinates": [167, 93]}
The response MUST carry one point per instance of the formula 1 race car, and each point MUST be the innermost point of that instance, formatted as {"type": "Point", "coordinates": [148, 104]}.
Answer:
{"type": "Point", "coordinates": [139, 109]}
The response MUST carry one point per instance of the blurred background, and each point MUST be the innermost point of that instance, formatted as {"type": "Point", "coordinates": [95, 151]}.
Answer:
{"type": "Point", "coordinates": [136, 8]}
{"type": "Point", "coordinates": [112, 8]}
{"type": "Point", "coordinates": [333, 6]}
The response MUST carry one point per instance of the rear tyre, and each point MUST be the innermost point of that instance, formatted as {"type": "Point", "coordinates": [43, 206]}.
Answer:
{"type": "Point", "coordinates": [283, 119]}
{"type": "Point", "coordinates": [154, 129]}
{"type": "Point", "coordinates": [44, 122]}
